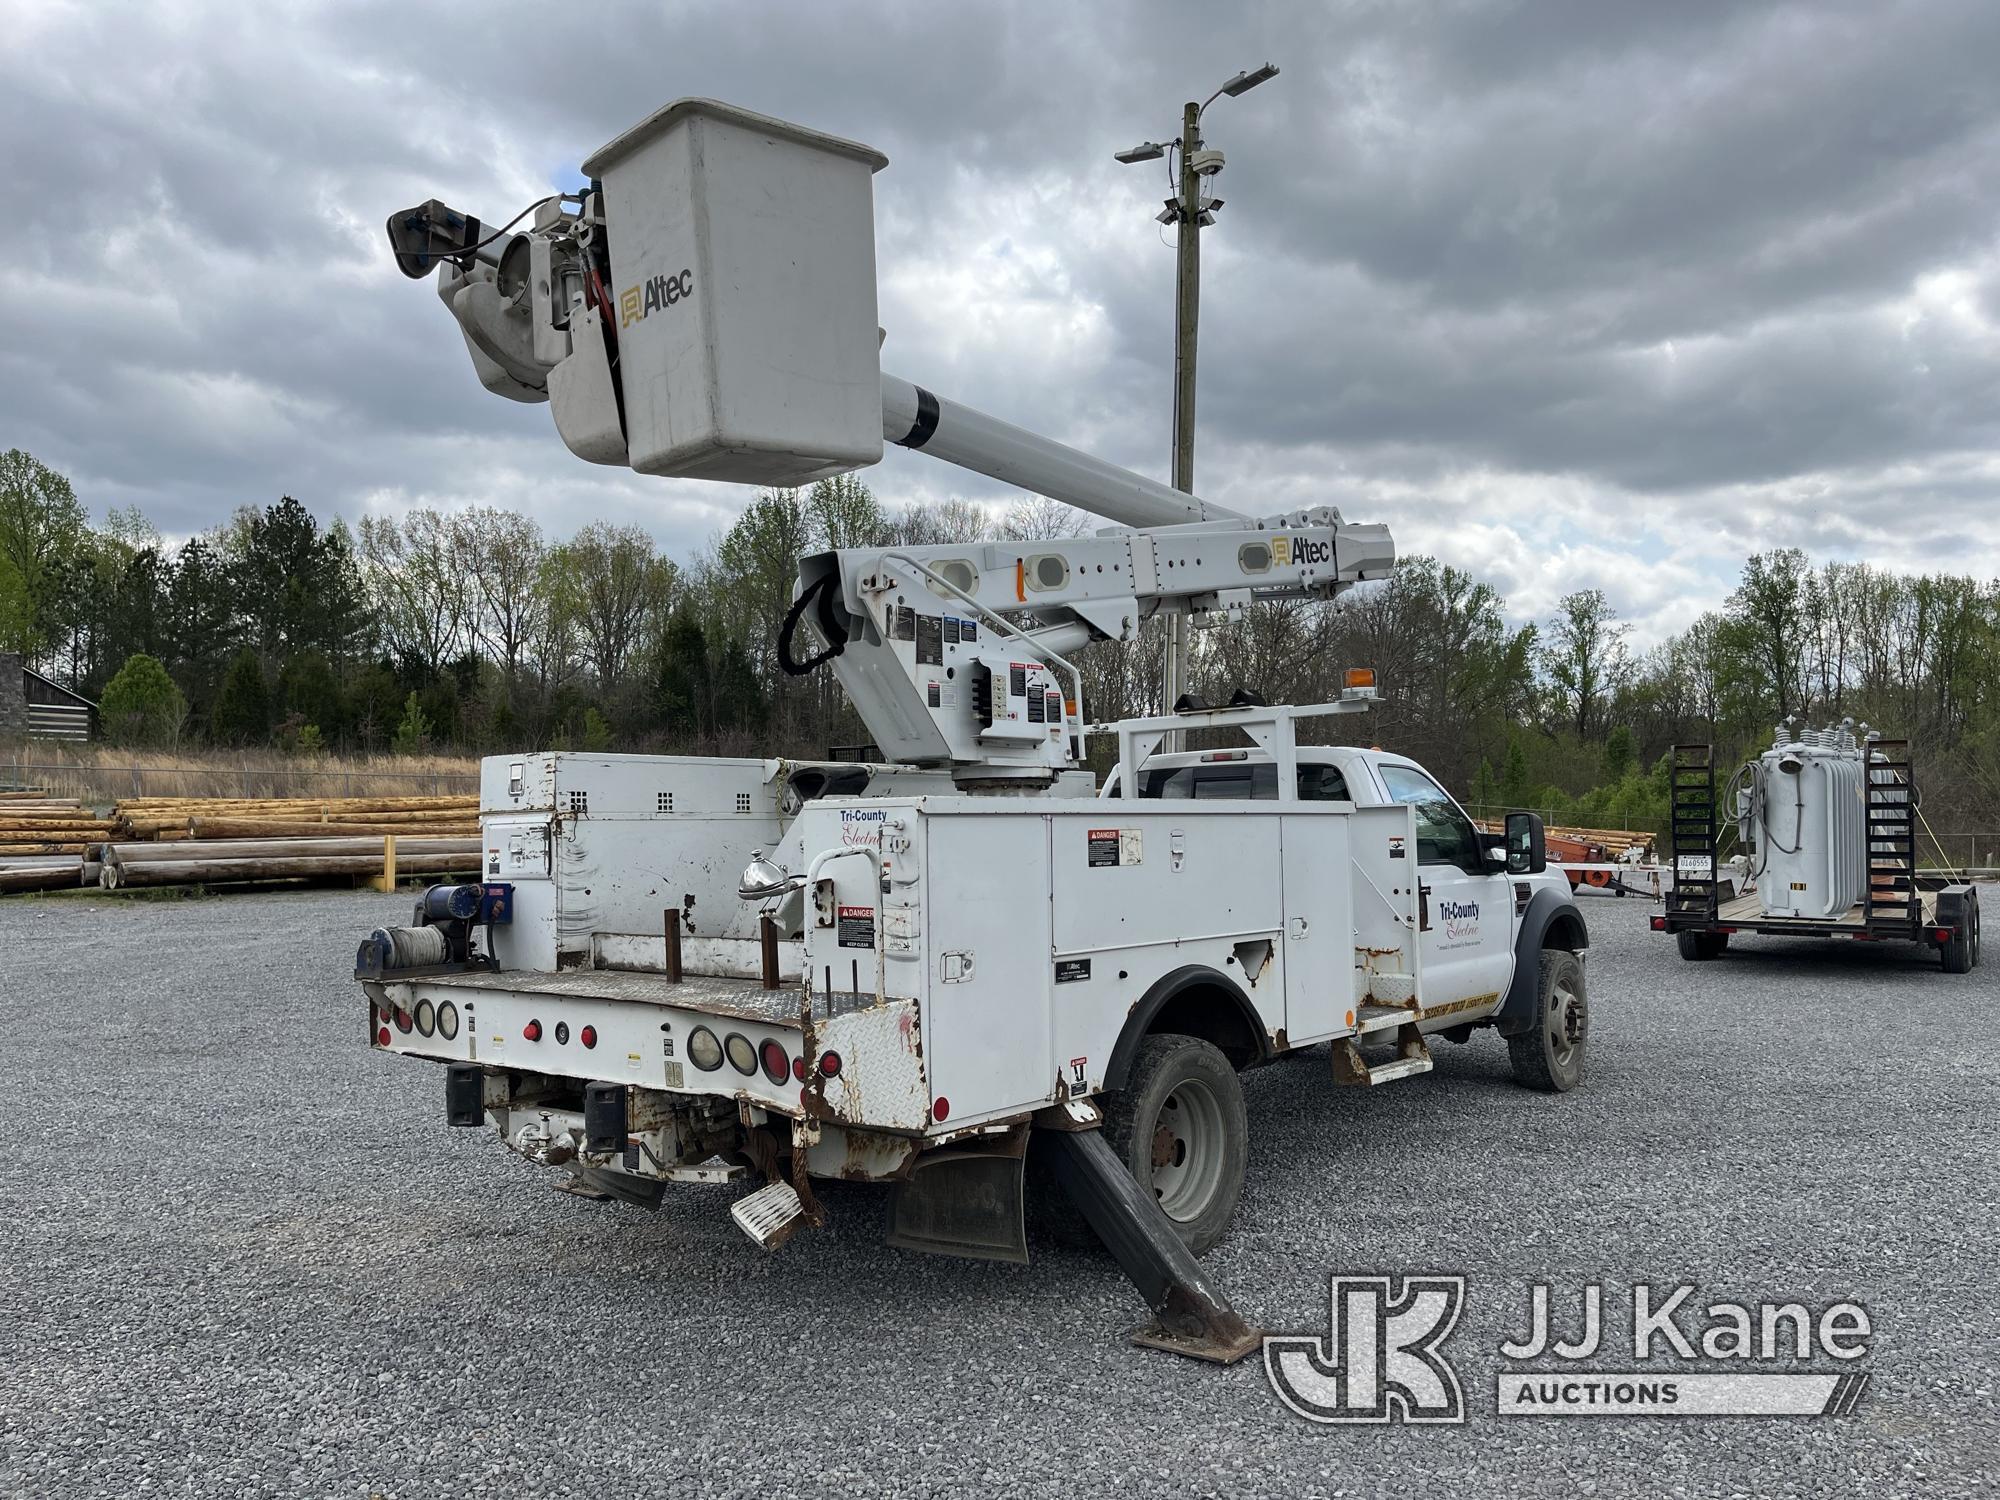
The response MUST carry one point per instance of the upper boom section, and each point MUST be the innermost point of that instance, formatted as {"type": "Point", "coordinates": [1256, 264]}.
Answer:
{"type": "Point", "coordinates": [707, 310]}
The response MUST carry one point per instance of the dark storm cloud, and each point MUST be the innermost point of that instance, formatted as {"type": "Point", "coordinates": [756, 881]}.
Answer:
{"type": "Point", "coordinates": [1615, 274]}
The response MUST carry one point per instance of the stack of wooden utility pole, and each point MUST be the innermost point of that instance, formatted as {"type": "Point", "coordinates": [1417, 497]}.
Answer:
{"type": "Point", "coordinates": [50, 842]}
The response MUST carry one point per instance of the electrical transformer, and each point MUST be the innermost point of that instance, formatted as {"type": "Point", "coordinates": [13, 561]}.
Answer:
{"type": "Point", "coordinates": [1801, 806]}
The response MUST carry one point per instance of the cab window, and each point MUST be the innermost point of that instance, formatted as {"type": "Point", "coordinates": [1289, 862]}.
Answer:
{"type": "Point", "coordinates": [1445, 836]}
{"type": "Point", "coordinates": [1242, 780]}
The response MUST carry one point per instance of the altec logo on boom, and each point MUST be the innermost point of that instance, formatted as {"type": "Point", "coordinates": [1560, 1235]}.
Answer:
{"type": "Point", "coordinates": [654, 293]}
{"type": "Point", "coordinates": [1300, 551]}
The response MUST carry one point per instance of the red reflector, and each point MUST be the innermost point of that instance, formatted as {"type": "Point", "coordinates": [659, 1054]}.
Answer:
{"type": "Point", "coordinates": [829, 1065]}
{"type": "Point", "coordinates": [1944, 934]}
{"type": "Point", "coordinates": [1659, 924]}
{"type": "Point", "coordinates": [799, 1069]}
{"type": "Point", "coordinates": [382, 1037]}
{"type": "Point", "coordinates": [777, 1064]}
{"type": "Point", "coordinates": [941, 1109]}
{"type": "Point", "coordinates": [588, 1036]}
{"type": "Point", "coordinates": [532, 1031]}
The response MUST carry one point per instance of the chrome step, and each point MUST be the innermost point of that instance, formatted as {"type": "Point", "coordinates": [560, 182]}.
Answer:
{"type": "Point", "coordinates": [1369, 1018]}
{"type": "Point", "coordinates": [771, 1215]}
{"type": "Point", "coordinates": [1402, 1067]}
{"type": "Point", "coordinates": [1413, 1056]}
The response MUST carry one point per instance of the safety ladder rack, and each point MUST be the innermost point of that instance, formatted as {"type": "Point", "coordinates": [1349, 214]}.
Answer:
{"type": "Point", "coordinates": [1892, 839]}
{"type": "Point", "coordinates": [1693, 833]}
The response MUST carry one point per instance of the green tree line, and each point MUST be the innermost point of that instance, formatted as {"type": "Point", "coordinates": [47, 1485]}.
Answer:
{"type": "Point", "coordinates": [473, 629]}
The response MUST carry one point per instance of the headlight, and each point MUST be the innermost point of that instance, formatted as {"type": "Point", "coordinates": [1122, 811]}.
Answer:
{"type": "Point", "coordinates": [742, 1056]}
{"type": "Point", "coordinates": [447, 1021]}
{"type": "Point", "coordinates": [426, 1017]}
{"type": "Point", "coordinates": [704, 1051]}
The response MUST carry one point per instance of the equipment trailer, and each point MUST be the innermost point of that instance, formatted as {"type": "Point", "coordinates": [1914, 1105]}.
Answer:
{"type": "Point", "coordinates": [923, 963]}
{"type": "Point", "coordinates": [1847, 801]}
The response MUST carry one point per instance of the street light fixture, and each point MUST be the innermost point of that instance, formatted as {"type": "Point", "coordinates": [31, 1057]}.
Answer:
{"type": "Point", "coordinates": [1192, 212]}
{"type": "Point", "coordinates": [1242, 83]}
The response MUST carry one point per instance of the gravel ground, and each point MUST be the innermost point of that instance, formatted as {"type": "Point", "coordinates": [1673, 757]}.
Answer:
{"type": "Point", "coordinates": [245, 1256]}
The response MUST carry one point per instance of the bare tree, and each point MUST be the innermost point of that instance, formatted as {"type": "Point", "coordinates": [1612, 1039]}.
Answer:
{"type": "Point", "coordinates": [504, 551]}
{"type": "Point", "coordinates": [1586, 658]}
{"type": "Point", "coordinates": [613, 583]}
{"type": "Point", "coordinates": [422, 588]}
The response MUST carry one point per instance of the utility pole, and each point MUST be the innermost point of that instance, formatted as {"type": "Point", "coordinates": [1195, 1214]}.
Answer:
{"type": "Point", "coordinates": [1187, 319]}
{"type": "Point", "coordinates": [1190, 214]}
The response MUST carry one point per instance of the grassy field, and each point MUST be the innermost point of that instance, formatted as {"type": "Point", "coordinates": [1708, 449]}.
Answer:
{"type": "Point", "coordinates": [103, 774]}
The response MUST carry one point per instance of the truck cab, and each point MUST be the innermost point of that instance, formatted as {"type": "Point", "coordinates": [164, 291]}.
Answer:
{"type": "Point", "coordinates": [1471, 893]}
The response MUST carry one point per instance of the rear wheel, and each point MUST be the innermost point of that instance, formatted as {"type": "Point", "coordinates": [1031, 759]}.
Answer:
{"type": "Point", "coordinates": [1180, 1127]}
{"type": "Point", "coordinates": [1962, 952]}
{"type": "Point", "coordinates": [1700, 947]}
{"type": "Point", "coordinates": [1550, 1055]}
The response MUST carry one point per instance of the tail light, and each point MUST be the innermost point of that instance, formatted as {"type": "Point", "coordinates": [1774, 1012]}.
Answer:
{"type": "Point", "coordinates": [777, 1062]}
{"type": "Point", "coordinates": [1659, 924]}
{"type": "Point", "coordinates": [829, 1065]}
{"type": "Point", "coordinates": [532, 1031]}
{"type": "Point", "coordinates": [588, 1036]}
{"type": "Point", "coordinates": [799, 1069]}
{"type": "Point", "coordinates": [404, 1022]}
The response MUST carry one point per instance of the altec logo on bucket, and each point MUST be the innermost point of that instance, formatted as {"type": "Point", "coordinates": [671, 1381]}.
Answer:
{"type": "Point", "coordinates": [653, 294]}
{"type": "Point", "coordinates": [1382, 1360]}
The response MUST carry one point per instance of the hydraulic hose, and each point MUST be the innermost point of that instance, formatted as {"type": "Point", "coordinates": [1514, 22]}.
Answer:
{"type": "Point", "coordinates": [828, 621]}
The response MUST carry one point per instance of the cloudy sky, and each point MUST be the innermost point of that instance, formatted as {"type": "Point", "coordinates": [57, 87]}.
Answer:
{"type": "Point", "coordinates": [1570, 293]}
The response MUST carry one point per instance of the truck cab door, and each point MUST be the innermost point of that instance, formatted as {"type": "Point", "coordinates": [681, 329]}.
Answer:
{"type": "Point", "coordinates": [1466, 906]}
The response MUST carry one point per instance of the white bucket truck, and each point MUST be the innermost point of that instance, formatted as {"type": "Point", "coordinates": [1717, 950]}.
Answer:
{"type": "Point", "coordinates": [680, 969]}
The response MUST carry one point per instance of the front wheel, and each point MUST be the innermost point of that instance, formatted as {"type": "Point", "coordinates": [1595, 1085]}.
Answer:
{"type": "Point", "coordinates": [1549, 1056]}
{"type": "Point", "coordinates": [1180, 1127]}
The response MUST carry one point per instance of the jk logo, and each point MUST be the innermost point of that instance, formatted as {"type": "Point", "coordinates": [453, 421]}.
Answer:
{"type": "Point", "coordinates": [1380, 1362]}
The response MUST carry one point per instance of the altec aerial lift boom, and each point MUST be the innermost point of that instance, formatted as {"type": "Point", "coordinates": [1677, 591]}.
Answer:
{"type": "Point", "coordinates": [881, 1002]}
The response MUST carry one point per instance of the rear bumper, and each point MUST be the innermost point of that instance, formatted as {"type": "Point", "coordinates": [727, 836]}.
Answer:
{"type": "Point", "coordinates": [637, 1030]}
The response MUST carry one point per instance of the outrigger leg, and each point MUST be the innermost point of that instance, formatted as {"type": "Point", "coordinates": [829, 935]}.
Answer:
{"type": "Point", "coordinates": [1190, 1314]}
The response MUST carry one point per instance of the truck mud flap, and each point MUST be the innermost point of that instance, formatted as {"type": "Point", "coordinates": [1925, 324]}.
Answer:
{"type": "Point", "coordinates": [964, 1200]}
{"type": "Point", "coordinates": [1190, 1314]}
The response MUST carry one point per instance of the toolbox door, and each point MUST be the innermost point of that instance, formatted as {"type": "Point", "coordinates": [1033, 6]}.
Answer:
{"type": "Point", "coordinates": [1319, 924]}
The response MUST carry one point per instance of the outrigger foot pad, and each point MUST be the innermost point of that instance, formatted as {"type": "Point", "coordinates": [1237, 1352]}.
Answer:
{"type": "Point", "coordinates": [1190, 1314]}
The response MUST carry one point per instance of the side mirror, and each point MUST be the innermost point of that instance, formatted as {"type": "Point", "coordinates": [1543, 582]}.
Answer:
{"type": "Point", "coordinates": [1527, 848]}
